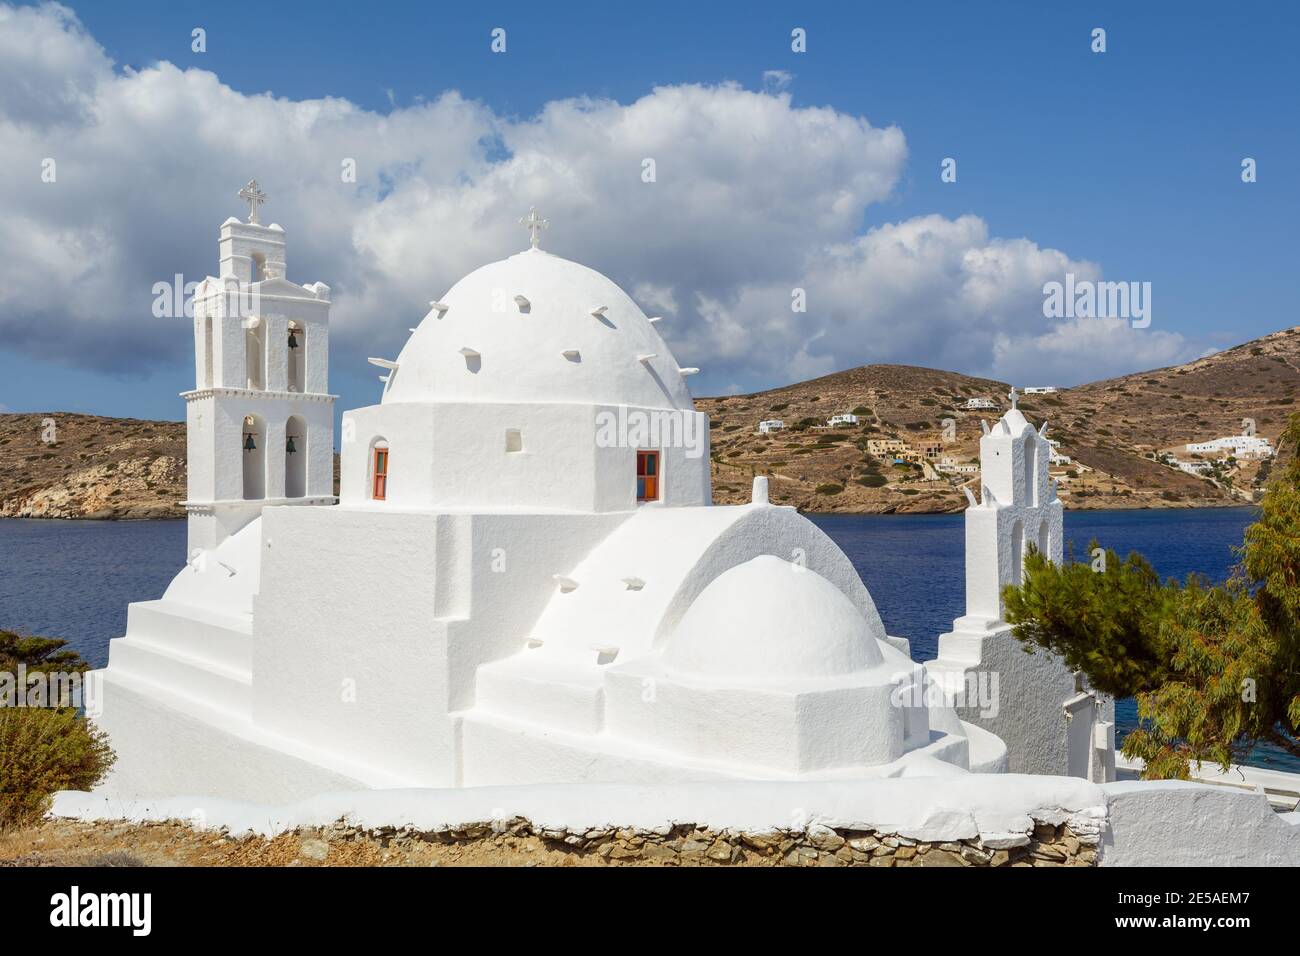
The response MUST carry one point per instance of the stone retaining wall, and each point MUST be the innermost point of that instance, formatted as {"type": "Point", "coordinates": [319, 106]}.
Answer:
{"type": "Point", "coordinates": [686, 845]}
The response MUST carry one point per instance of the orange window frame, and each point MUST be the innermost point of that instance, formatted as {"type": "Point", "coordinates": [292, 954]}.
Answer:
{"type": "Point", "coordinates": [379, 480]}
{"type": "Point", "coordinates": [648, 476]}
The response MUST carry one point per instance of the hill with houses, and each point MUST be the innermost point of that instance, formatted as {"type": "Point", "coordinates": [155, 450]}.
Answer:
{"type": "Point", "coordinates": [905, 439]}
{"type": "Point", "coordinates": [897, 438]}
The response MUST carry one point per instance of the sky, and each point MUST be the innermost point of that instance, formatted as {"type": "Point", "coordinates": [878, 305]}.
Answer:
{"type": "Point", "coordinates": [774, 171]}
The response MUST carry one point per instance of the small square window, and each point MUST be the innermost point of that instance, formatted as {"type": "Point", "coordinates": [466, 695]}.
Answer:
{"type": "Point", "coordinates": [514, 440]}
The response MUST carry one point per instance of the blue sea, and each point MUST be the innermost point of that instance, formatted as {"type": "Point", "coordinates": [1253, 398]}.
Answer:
{"type": "Point", "coordinates": [73, 579]}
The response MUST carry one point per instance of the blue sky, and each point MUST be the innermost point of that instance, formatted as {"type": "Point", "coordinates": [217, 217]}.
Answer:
{"type": "Point", "coordinates": [1129, 160]}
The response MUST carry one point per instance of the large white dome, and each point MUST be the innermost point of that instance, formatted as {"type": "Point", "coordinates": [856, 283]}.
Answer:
{"type": "Point", "coordinates": [548, 346]}
{"type": "Point", "coordinates": [768, 620]}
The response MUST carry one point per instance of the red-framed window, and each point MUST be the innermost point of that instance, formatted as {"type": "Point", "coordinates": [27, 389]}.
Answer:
{"type": "Point", "coordinates": [647, 476]}
{"type": "Point", "coordinates": [379, 486]}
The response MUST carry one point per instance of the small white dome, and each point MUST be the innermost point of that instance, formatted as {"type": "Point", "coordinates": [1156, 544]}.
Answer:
{"type": "Point", "coordinates": [538, 328]}
{"type": "Point", "coordinates": [1016, 421]}
{"type": "Point", "coordinates": [770, 620]}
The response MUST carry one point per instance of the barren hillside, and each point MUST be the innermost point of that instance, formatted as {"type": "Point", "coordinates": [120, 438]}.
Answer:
{"type": "Point", "coordinates": [85, 466]}
{"type": "Point", "coordinates": [1113, 432]}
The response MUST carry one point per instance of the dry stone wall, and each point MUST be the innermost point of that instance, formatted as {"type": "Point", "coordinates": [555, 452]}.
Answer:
{"type": "Point", "coordinates": [1049, 844]}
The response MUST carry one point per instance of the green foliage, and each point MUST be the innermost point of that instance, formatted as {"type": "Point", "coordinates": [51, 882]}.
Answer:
{"type": "Point", "coordinates": [829, 489]}
{"type": "Point", "coordinates": [44, 749]}
{"type": "Point", "coordinates": [1099, 622]}
{"type": "Point", "coordinates": [872, 481]}
{"type": "Point", "coordinates": [38, 653]}
{"type": "Point", "coordinates": [1216, 670]}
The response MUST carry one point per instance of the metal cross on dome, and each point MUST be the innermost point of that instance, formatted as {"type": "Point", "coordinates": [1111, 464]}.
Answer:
{"type": "Point", "coordinates": [534, 224]}
{"type": "Point", "coordinates": [254, 197]}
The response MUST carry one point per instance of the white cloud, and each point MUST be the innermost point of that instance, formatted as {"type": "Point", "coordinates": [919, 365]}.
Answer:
{"type": "Point", "coordinates": [777, 81]}
{"type": "Point", "coordinates": [1102, 347]}
{"type": "Point", "coordinates": [752, 197]}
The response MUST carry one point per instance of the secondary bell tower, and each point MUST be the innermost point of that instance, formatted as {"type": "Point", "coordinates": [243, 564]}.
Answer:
{"type": "Point", "coordinates": [260, 420]}
{"type": "Point", "coordinates": [988, 676]}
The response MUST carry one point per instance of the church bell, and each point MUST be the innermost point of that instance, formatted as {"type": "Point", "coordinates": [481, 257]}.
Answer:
{"type": "Point", "coordinates": [248, 442]}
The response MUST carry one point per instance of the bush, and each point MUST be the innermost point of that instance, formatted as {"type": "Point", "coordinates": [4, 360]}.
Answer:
{"type": "Point", "coordinates": [872, 481]}
{"type": "Point", "coordinates": [43, 750]}
{"type": "Point", "coordinates": [829, 489]}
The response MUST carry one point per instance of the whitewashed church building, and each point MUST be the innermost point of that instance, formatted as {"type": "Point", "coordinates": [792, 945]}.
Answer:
{"type": "Point", "coordinates": [524, 579]}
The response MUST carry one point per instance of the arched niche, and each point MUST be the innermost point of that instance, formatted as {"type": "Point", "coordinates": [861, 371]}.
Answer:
{"type": "Point", "coordinates": [1031, 470]}
{"type": "Point", "coordinates": [1017, 552]}
{"type": "Point", "coordinates": [296, 357]}
{"type": "Point", "coordinates": [255, 352]}
{"type": "Point", "coordinates": [295, 457]}
{"type": "Point", "coordinates": [253, 450]}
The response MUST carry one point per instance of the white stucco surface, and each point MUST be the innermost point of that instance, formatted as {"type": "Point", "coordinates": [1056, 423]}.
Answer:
{"type": "Point", "coordinates": [771, 621]}
{"type": "Point", "coordinates": [1180, 823]}
{"type": "Point", "coordinates": [1000, 809]}
{"type": "Point", "coordinates": [539, 611]}
{"type": "Point", "coordinates": [520, 347]}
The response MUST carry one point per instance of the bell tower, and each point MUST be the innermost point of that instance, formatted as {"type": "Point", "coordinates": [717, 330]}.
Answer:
{"type": "Point", "coordinates": [1049, 719]}
{"type": "Point", "coordinates": [1018, 507]}
{"type": "Point", "coordinates": [260, 420]}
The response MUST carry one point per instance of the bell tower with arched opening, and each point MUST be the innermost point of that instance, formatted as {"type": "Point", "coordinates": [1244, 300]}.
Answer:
{"type": "Point", "coordinates": [1018, 507]}
{"type": "Point", "coordinates": [260, 420]}
{"type": "Point", "coordinates": [987, 675]}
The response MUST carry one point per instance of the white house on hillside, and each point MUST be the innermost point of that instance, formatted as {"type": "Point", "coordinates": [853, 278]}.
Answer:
{"type": "Point", "coordinates": [1240, 446]}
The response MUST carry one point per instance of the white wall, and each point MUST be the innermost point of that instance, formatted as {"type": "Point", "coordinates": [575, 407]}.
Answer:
{"type": "Point", "coordinates": [1179, 823]}
{"type": "Point", "coordinates": [453, 456]}
{"type": "Point", "coordinates": [370, 625]}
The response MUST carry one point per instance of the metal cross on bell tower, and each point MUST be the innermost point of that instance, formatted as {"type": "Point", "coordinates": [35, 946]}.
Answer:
{"type": "Point", "coordinates": [254, 197]}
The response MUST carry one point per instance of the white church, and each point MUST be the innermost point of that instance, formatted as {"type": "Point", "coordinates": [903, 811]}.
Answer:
{"type": "Point", "coordinates": [524, 579]}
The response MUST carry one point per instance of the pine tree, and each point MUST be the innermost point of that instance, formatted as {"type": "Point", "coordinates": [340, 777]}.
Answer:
{"type": "Point", "coordinates": [1215, 669]}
